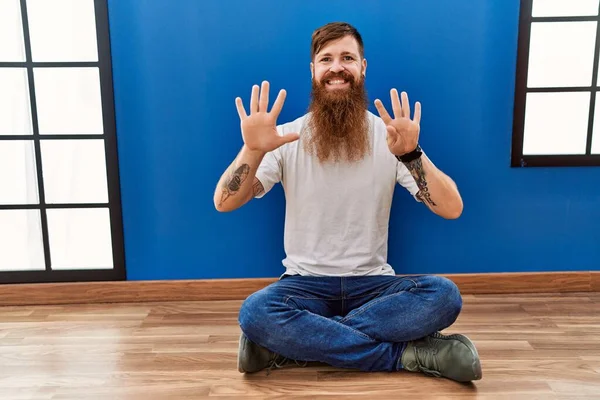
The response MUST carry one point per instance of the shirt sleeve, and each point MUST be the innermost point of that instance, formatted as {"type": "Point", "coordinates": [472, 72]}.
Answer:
{"type": "Point", "coordinates": [269, 171]}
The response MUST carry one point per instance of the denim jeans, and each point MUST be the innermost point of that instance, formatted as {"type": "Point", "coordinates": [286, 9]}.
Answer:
{"type": "Point", "coordinates": [351, 322]}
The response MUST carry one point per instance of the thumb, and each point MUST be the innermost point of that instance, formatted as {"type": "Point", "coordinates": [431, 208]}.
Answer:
{"type": "Point", "coordinates": [392, 131]}
{"type": "Point", "coordinates": [288, 138]}
{"type": "Point", "coordinates": [392, 135]}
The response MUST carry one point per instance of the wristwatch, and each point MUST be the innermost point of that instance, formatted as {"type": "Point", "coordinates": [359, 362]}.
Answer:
{"type": "Point", "coordinates": [413, 155]}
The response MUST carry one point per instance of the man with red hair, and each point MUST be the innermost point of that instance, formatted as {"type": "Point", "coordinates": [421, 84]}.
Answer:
{"type": "Point", "coordinates": [339, 302]}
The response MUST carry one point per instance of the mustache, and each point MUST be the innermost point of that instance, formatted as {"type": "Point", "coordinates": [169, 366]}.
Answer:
{"type": "Point", "coordinates": [333, 75]}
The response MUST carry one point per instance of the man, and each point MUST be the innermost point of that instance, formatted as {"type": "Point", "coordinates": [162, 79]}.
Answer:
{"type": "Point", "coordinates": [339, 301]}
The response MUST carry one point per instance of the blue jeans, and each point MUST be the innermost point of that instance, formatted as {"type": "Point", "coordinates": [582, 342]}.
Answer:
{"type": "Point", "coordinates": [351, 322]}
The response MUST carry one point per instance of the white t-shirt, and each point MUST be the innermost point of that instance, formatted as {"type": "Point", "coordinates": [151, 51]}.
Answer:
{"type": "Point", "coordinates": [337, 214]}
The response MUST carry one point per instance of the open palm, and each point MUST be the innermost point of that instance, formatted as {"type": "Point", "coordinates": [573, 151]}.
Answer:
{"type": "Point", "coordinates": [259, 129]}
{"type": "Point", "coordinates": [402, 132]}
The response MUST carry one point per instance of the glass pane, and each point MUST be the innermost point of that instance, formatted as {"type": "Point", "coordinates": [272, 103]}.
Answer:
{"type": "Point", "coordinates": [68, 100]}
{"type": "Point", "coordinates": [18, 179]}
{"type": "Point", "coordinates": [12, 46]}
{"type": "Point", "coordinates": [21, 245]}
{"type": "Point", "coordinates": [74, 171]}
{"type": "Point", "coordinates": [564, 8]}
{"type": "Point", "coordinates": [561, 54]}
{"type": "Point", "coordinates": [556, 123]}
{"type": "Point", "coordinates": [80, 238]}
{"type": "Point", "coordinates": [596, 132]}
{"type": "Point", "coordinates": [15, 110]}
{"type": "Point", "coordinates": [62, 30]}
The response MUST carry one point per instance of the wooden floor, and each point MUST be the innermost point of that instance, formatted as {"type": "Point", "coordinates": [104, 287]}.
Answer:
{"type": "Point", "coordinates": [531, 346]}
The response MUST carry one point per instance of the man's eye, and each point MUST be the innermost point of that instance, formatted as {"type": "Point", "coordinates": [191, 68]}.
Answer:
{"type": "Point", "coordinates": [325, 59]}
{"type": "Point", "coordinates": [349, 58]}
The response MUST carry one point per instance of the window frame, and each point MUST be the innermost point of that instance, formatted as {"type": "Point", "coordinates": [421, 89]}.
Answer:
{"type": "Point", "coordinates": [104, 64]}
{"type": "Point", "coordinates": [518, 159]}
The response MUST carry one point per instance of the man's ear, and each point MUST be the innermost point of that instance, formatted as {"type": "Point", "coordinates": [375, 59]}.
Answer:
{"type": "Point", "coordinates": [364, 65]}
{"type": "Point", "coordinates": [312, 71]}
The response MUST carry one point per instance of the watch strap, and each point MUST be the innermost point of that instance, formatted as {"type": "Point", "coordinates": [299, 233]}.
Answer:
{"type": "Point", "coordinates": [413, 155]}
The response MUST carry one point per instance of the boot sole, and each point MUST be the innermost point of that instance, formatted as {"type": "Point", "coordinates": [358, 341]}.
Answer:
{"type": "Point", "coordinates": [477, 371]}
{"type": "Point", "coordinates": [241, 345]}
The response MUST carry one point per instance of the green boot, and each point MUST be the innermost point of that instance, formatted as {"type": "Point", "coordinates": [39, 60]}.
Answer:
{"type": "Point", "coordinates": [253, 357]}
{"type": "Point", "coordinates": [454, 357]}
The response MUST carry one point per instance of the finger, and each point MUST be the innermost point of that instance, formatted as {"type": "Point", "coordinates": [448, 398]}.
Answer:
{"type": "Point", "coordinates": [254, 99]}
{"type": "Point", "coordinates": [392, 135]}
{"type": "Point", "coordinates": [278, 105]}
{"type": "Point", "coordinates": [240, 108]}
{"type": "Point", "coordinates": [417, 118]}
{"type": "Point", "coordinates": [288, 138]}
{"type": "Point", "coordinates": [396, 107]}
{"type": "Point", "coordinates": [382, 112]}
{"type": "Point", "coordinates": [264, 97]}
{"type": "Point", "coordinates": [405, 105]}
{"type": "Point", "coordinates": [392, 131]}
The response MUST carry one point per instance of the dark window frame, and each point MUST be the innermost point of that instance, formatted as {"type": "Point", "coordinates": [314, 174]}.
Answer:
{"type": "Point", "coordinates": [104, 64]}
{"type": "Point", "coordinates": [518, 159]}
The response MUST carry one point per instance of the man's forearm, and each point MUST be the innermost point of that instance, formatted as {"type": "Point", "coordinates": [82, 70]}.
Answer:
{"type": "Point", "coordinates": [235, 187]}
{"type": "Point", "coordinates": [436, 189]}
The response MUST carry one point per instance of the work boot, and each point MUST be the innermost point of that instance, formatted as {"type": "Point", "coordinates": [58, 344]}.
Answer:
{"type": "Point", "coordinates": [453, 356]}
{"type": "Point", "coordinates": [253, 357]}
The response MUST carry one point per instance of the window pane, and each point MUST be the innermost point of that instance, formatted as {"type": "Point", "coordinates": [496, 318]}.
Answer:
{"type": "Point", "coordinates": [596, 133]}
{"type": "Point", "coordinates": [21, 245]}
{"type": "Point", "coordinates": [15, 115]}
{"type": "Point", "coordinates": [74, 171]}
{"type": "Point", "coordinates": [12, 46]}
{"type": "Point", "coordinates": [62, 30]}
{"type": "Point", "coordinates": [564, 8]}
{"type": "Point", "coordinates": [18, 179]}
{"type": "Point", "coordinates": [68, 100]}
{"type": "Point", "coordinates": [561, 54]}
{"type": "Point", "coordinates": [556, 123]}
{"type": "Point", "coordinates": [80, 238]}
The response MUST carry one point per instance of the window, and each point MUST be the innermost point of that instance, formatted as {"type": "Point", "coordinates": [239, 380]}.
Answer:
{"type": "Point", "coordinates": [60, 210]}
{"type": "Point", "coordinates": [557, 113]}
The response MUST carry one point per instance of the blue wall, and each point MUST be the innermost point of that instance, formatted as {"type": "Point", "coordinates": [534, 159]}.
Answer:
{"type": "Point", "coordinates": [178, 65]}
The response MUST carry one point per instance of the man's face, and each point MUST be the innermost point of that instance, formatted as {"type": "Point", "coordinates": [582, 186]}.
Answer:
{"type": "Point", "coordinates": [338, 123]}
{"type": "Point", "coordinates": [338, 66]}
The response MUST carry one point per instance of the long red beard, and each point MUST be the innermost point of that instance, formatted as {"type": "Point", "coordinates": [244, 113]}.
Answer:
{"type": "Point", "coordinates": [338, 123]}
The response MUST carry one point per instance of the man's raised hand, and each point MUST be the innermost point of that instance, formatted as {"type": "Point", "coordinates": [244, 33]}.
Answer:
{"type": "Point", "coordinates": [402, 131]}
{"type": "Point", "coordinates": [259, 128]}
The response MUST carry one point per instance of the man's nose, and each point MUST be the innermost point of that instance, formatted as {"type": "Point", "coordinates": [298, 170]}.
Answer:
{"type": "Point", "coordinates": [336, 67]}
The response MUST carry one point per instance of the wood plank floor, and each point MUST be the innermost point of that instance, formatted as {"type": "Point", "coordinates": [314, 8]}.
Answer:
{"type": "Point", "coordinates": [532, 347]}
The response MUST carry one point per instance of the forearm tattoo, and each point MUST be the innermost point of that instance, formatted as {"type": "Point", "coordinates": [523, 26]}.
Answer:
{"type": "Point", "coordinates": [257, 188]}
{"type": "Point", "coordinates": [234, 182]}
{"type": "Point", "coordinates": [416, 169]}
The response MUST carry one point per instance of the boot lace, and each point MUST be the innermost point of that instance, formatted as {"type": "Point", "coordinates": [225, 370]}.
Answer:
{"type": "Point", "coordinates": [427, 361]}
{"type": "Point", "coordinates": [280, 362]}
